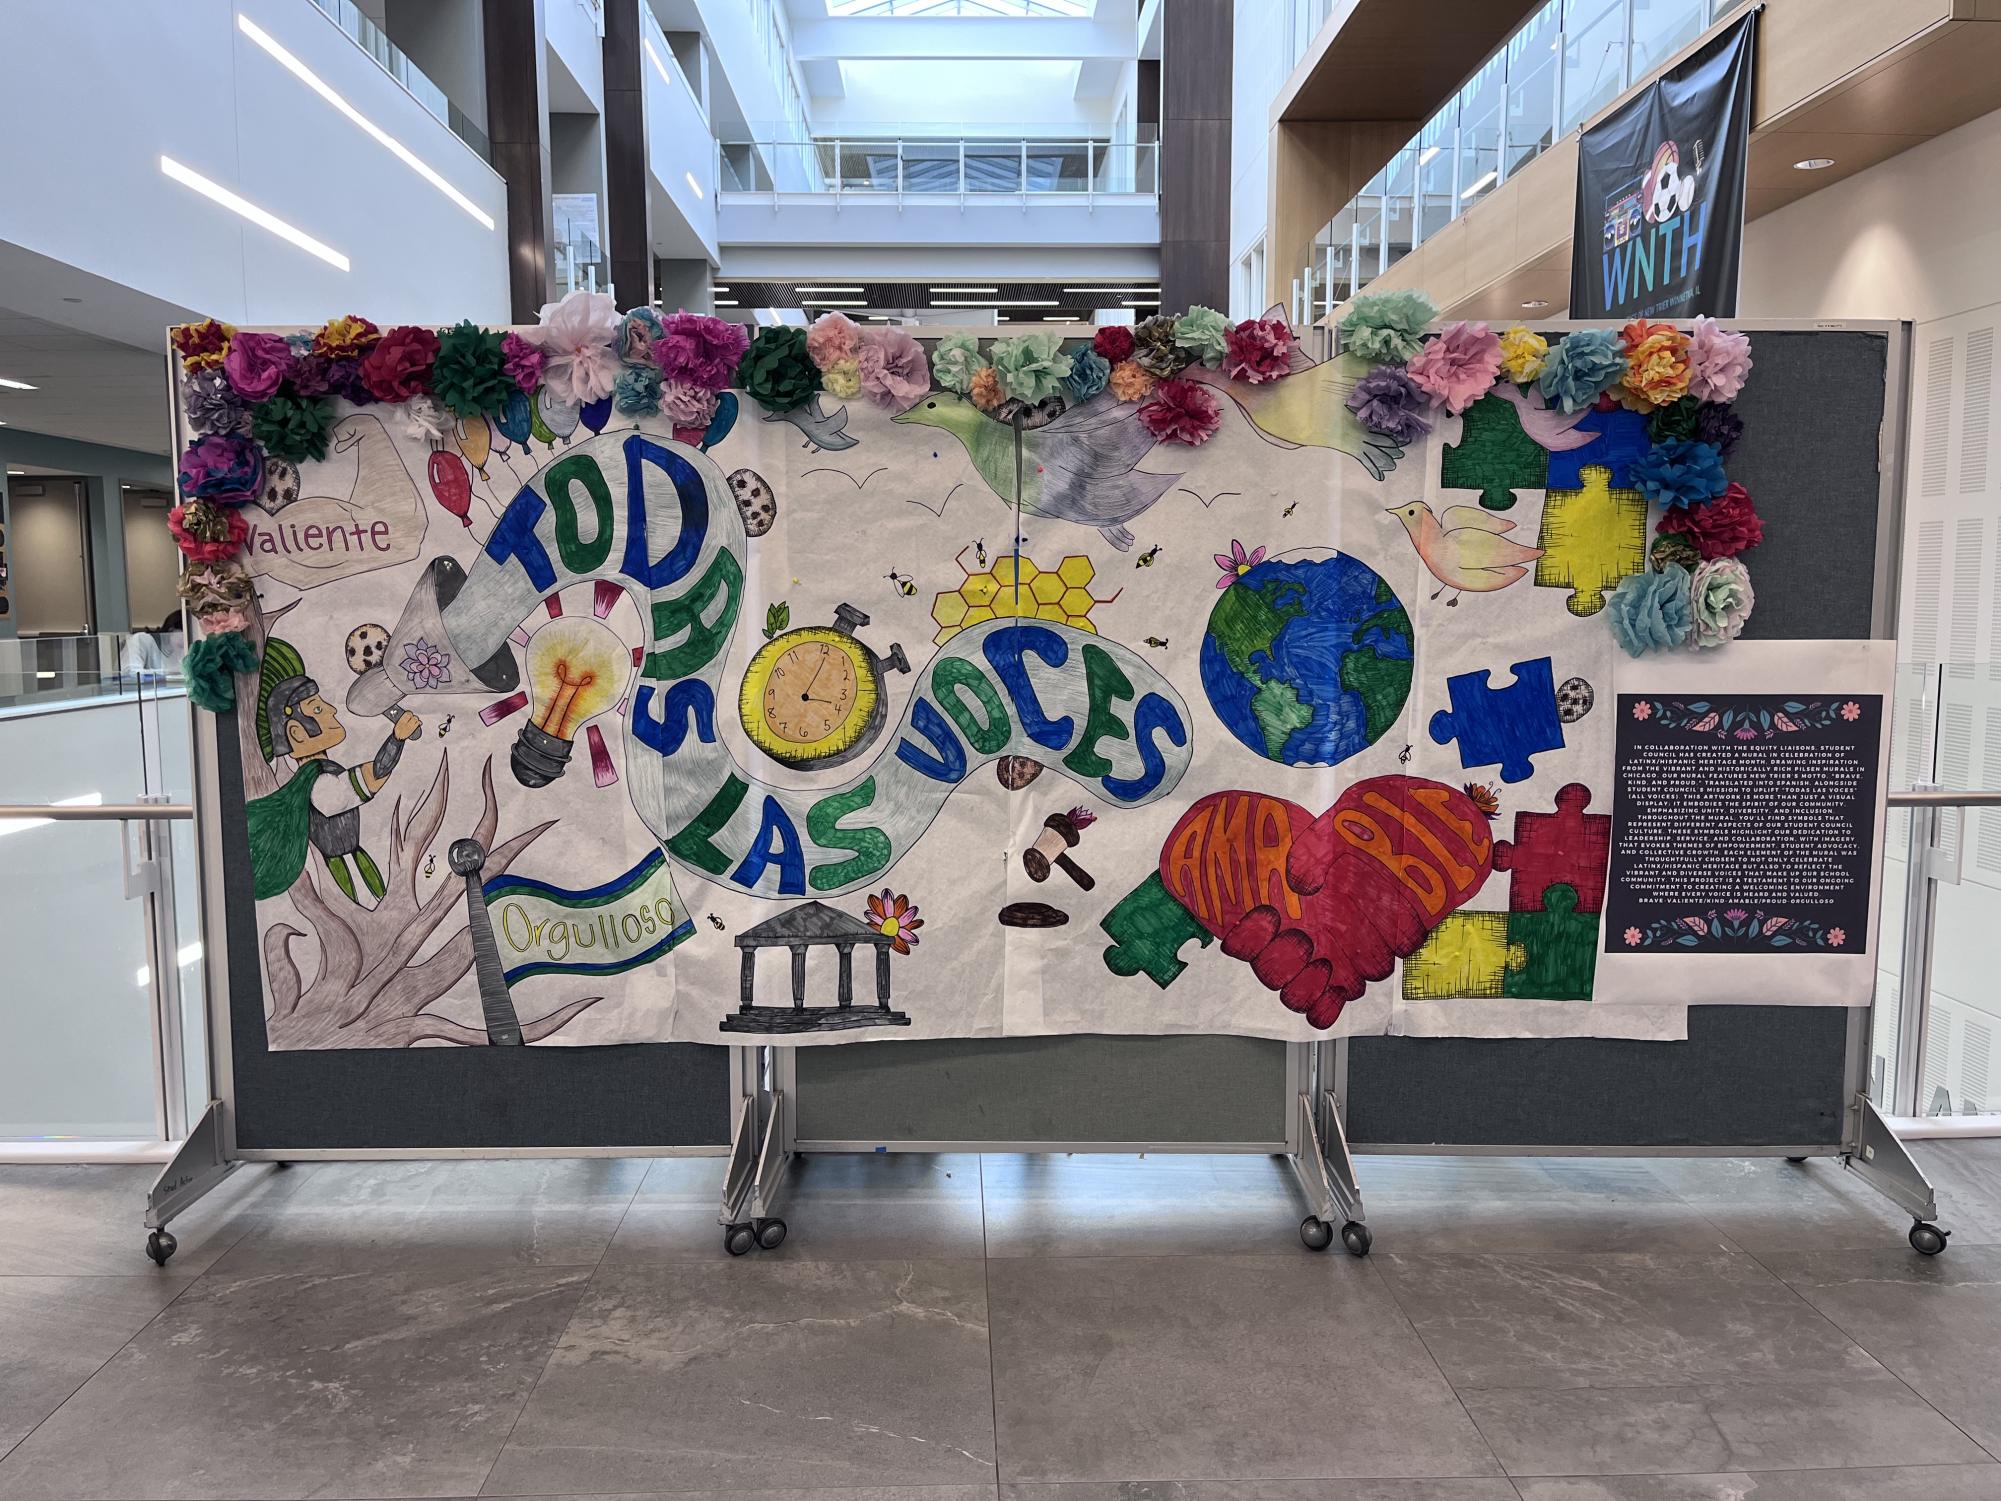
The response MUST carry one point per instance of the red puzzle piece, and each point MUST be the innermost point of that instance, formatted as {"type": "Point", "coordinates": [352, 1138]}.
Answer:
{"type": "Point", "coordinates": [1568, 847]}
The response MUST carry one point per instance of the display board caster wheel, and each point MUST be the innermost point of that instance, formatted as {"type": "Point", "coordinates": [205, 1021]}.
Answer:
{"type": "Point", "coordinates": [770, 1233]}
{"type": "Point", "coordinates": [1796, 1161]}
{"type": "Point", "coordinates": [1355, 1236]}
{"type": "Point", "coordinates": [738, 1239]}
{"type": "Point", "coordinates": [1928, 1240]}
{"type": "Point", "coordinates": [1315, 1234]}
{"type": "Point", "coordinates": [160, 1245]}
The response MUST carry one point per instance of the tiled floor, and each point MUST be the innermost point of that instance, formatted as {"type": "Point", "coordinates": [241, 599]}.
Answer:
{"type": "Point", "coordinates": [1006, 1329]}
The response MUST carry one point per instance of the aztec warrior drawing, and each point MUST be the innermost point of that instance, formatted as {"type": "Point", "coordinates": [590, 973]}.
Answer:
{"type": "Point", "coordinates": [1169, 680]}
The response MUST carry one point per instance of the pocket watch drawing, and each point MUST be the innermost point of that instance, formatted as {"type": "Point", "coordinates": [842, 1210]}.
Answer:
{"type": "Point", "coordinates": [814, 697]}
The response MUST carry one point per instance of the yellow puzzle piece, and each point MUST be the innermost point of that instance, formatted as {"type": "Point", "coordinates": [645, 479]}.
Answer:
{"type": "Point", "coordinates": [1591, 538]}
{"type": "Point", "coordinates": [1466, 955]}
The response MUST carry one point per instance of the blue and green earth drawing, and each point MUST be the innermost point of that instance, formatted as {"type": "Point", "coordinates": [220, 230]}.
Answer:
{"type": "Point", "coordinates": [1307, 660]}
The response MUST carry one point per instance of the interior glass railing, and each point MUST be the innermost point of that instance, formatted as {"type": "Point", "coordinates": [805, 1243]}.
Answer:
{"type": "Point", "coordinates": [371, 38]}
{"type": "Point", "coordinates": [966, 167]}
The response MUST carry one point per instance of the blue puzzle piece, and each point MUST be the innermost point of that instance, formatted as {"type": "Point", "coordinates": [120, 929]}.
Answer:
{"type": "Point", "coordinates": [1502, 726]}
{"type": "Point", "coordinates": [1622, 438]}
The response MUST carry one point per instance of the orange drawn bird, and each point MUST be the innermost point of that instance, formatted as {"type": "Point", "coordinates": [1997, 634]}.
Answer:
{"type": "Point", "coordinates": [1465, 550]}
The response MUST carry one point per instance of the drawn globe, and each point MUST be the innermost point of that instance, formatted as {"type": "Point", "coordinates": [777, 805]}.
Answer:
{"type": "Point", "coordinates": [1307, 657]}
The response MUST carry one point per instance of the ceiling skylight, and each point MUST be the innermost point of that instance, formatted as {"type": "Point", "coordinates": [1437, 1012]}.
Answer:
{"type": "Point", "coordinates": [987, 8]}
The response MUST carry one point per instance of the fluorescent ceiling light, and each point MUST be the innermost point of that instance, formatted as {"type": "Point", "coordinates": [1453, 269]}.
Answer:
{"type": "Point", "coordinates": [826, 302]}
{"type": "Point", "coordinates": [1129, 302]}
{"type": "Point", "coordinates": [724, 302]}
{"type": "Point", "coordinates": [395, 147]}
{"type": "Point", "coordinates": [989, 302]}
{"type": "Point", "coordinates": [1535, 302]}
{"type": "Point", "coordinates": [1485, 179]}
{"type": "Point", "coordinates": [826, 289]}
{"type": "Point", "coordinates": [719, 289]}
{"type": "Point", "coordinates": [695, 185]}
{"type": "Point", "coordinates": [17, 473]}
{"type": "Point", "coordinates": [262, 218]}
{"type": "Point", "coordinates": [18, 385]}
{"type": "Point", "coordinates": [1424, 157]}
{"type": "Point", "coordinates": [1089, 290]}
{"type": "Point", "coordinates": [1814, 164]}
{"type": "Point", "coordinates": [958, 291]}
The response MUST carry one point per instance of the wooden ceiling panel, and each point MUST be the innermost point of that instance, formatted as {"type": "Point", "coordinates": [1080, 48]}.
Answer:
{"type": "Point", "coordinates": [1395, 59]}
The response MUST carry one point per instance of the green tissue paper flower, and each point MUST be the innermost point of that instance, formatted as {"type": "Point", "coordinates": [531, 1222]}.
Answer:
{"type": "Point", "coordinates": [777, 372]}
{"type": "Point", "coordinates": [1032, 366]}
{"type": "Point", "coordinates": [955, 361]}
{"type": "Point", "coordinates": [470, 374]}
{"type": "Point", "coordinates": [1678, 419]}
{"type": "Point", "coordinates": [1386, 328]}
{"type": "Point", "coordinates": [1204, 333]}
{"type": "Point", "coordinates": [293, 428]}
{"type": "Point", "coordinates": [210, 667]}
{"type": "Point", "coordinates": [1154, 349]}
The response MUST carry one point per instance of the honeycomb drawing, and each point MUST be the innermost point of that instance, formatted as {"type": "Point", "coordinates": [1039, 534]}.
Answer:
{"type": "Point", "coordinates": [1014, 585]}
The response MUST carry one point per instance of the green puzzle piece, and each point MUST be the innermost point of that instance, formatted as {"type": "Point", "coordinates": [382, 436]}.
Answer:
{"type": "Point", "coordinates": [1559, 946]}
{"type": "Point", "coordinates": [1494, 456]}
{"type": "Point", "coordinates": [1150, 926]}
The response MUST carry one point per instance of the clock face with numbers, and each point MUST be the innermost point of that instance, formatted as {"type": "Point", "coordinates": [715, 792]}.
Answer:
{"type": "Point", "coordinates": [812, 697]}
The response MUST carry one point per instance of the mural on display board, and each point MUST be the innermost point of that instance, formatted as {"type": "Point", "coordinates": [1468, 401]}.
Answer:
{"type": "Point", "coordinates": [1166, 681]}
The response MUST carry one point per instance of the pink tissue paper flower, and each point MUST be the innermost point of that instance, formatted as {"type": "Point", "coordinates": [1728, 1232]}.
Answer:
{"type": "Point", "coordinates": [687, 405]}
{"type": "Point", "coordinates": [1258, 350]}
{"type": "Point", "coordinates": [698, 350]}
{"type": "Point", "coordinates": [578, 338]}
{"type": "Point", "coordinates": [831, 338]}
{"type": "Point", "coordinates": [1458, 367]}
{"type": "Point", "coordinates": [1180, 411]}
{"type": "Point", "coordinates": [892, 367]}
{"type": "Point", "coordinates": [1718, 361]}
{"type": "Point", "coordinates": [256, 365]}
{"type": "Point", "coordinates": [522, 361]}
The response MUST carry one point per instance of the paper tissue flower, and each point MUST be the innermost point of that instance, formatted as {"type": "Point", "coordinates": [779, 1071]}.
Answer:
{"type": "Point", "coordinates": [1129, 382]}
{"type": "Point", "coordinates": [257, 365]}
{"type": "Point", "coordinates": [985, 391]}
{"type": "Point", "coordinates": [833, 337]}
{"type": "Point", "coordinates": [212, 404]}
{"type": "Point", "coordinates": [1725, 527]}
{"type": "Point", "coordinates": [1182, 411]}
{"type": "Point", "coordinates": [470, 373]}
{"type": "Point", "coordinates": [1388, 401]}
{"type": "Point", "coordinates": [293, 428]}
{"type": "Point", "coordinates": [224, 469]}
{"type": "Point", "coordinates": [776, 371]}
{"type": "Point", "coordinates": [636, 392]}
{"type": "Point", "coordinates": [346, 338]}
{"type": "Point", "coordinates": [1114, 341]}
{"type": "Point", "coordinates": [1089, 373]}
{"type": "Point", "coordinates": [206, 532]}
{"type": "Point", "coordinates": [1259, 350]}
{"type": "Point", "coordinates": [1718, 426]}
{"type": "Point", "coordinates": [399, 366]}
{"type": "Point", "coordinates": [1719, 360]}
{"type": "Point", "coordinates": [700, 350]}
{"type": "Point", "coordinates": [1582, 365]}
{"type": "Point", "coordinates": [1522, 354]}
{"type": "Point", "coordinates": [1656, 362]}
{"type": "Point", "coordinates": [954, 360]}
{"type": "Point", "coordinates": [1032, 366]}
{"type": "Point", "coordinates": [210, 665]}
{"type": "Point", "coordinates": [891, 365]}
{"type": "Point", "coordinates": [842, 380]}
{"type": "Point", "coordinates": [1154, 349]}
{"type": "Point", "coordinates": [425, 417]}
{"type": "Point", "coordinates": [636, 332]}
{"type": "Point", "coordinates": [1675, 419]}
{"type": "Point", "coordinates": [202, 345]}
{"type": "Point", "coordinates": [1651, 611]}
{"type": "Point", "coordinates": [1458, 367]}
{"type": "Point", "coordinates": [1670, 547]}
{"type": "Point", "coordinates": [522, 361]}
{"type": "Point", "coordinates": [577, 336]}
{"type": "Point", "coordinates": [1679, 473]}
{"type": "Point", "coordinates": [1386, 328]}
{"type": "Point", "coordinates": [1721, 598]}
{"type": "Point", "coordinates": [686, 404]}
{"type": "Point", "coordinates": [1203, 333]}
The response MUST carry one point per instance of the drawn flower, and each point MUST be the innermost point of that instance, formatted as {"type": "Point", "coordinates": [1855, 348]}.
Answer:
{"type": "Point", "coordinates": [577, 338]}
{"type": "Point", "coordinates": [832, 338]}
{"type": "Point", "coordinates": [1483, 797]}
{"type": "Point", "coordinates": [426, 665]}
{"type": "Point", "coordinates": [1386, 328]}
{"type": "Point", "coordinates": [399, 366]}
{"type": "Point", "coordinates": [1632, 938]}
{"type": "Point", "coordinates": [1458, 367]}
{"type": "Point", "coordinates": [1182, 411]}
{"type": "Point", "coordinates": [1259, 350]}
{"type": "Point", "coordinates": [1736, 914]}
{"type": "Point", "coordinates": [895, 917]}
{"type": "Point", "coordinates": [1236, 562]}
{"type": "Point", "coordinates": [1643, 710]}
{"type": "Point", "coordinates": [955, 360]}
{"type": "Point", "coordinates": [1851, 711]}
{"type": "Point", "coordinates": [1836, 937]}
{"type": "Point", "coordinates": [257, 364]}
{"type": "Point", "coordinates": [699, 349]}
{"type": "Point", "coordinates": [1651, 611]}
{"type": "Point", "coordinates": [892, 369]}
{"type": "Point", "coordinates": [1114, 341]}
{"type": "Point", "coordinates": [1718, 361]}
{"type": "Point", "coordinates": [1745, 732]}
{"type": "Point", "coordinates": [1522, 354]}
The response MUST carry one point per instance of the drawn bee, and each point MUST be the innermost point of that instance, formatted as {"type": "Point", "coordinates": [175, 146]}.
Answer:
{"type": "Point", "coordinates": [1145, 559]}
{"type": "Point", "coordinates": [445, 728]}
{"type": "Point", "coordinates": [1290, 509]}
{"type": "Point", "coordinates": [715, 922]}
{"type": "Point", "coordinates": [980, 551]}
{"type": "Point", "coordinates": [1403, 756]}
{"type": "Point", "coordinates": [1156, 641]}
{"type": "Point", "coordinates": [901, 582]}
{"type": "Point", "coordinates": [430, 861]}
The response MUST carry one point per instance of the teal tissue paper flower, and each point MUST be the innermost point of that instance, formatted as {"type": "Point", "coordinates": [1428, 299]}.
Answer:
{"type": "Point", "coordinates": [1652, 611]}
{"type": "Point", "coordinates": [1089, 372]}
{"type": "Point", "coordinates": [1204, 333]}
{"type": "Point", "coordinates": [1583, 365]}
{"type": "Point", "coordinates": [1679, 473]}
{"type": "Point", "coordinates": [1387, 328]}
{"type": "Point", "coordinates": [955, 360]}
{"type": "Point", "coordinates": [1032, 366]}
{"type": "Point", "coordinates": [636, 392]}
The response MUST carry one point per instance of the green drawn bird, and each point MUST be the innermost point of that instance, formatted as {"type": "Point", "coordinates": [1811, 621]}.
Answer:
{"type": "Point", "coordinates": [1079, 467]}
{"type": "Point", "coordinates": [1309, 409]}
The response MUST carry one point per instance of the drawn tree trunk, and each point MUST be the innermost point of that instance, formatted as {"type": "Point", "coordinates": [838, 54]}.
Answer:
{"type": "Point", "coordinates": [368, 987]}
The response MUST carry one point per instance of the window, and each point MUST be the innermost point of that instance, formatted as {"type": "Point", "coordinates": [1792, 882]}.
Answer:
{"type": "Point", "coordinates": [1594, 57]}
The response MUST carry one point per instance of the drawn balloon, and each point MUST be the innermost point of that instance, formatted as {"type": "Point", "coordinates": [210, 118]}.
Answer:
{"type": "Point", "coordinates": [597, 413]}
{"type": "Point", "coordinates": [722, 422]}
{"type": "Point", "coordinates": [475, 442]}
{"type": "Point", "coordinates": [517, 417]}
{"type": "Point", "coordinates": [451, 484]}
{"type": "Point", "coordinates": [558, 419]}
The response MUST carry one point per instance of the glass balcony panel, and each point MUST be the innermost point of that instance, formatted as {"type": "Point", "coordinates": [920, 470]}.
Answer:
{"type": "Point", "coordinates": [993, 166]}
{"type": "Point", "coordinates": [1594, 58]}
{"type": "Point", "coordinates": [1399, 206]}
{"type": "Point", "coordinates": [1479, 156]}
{"type": "Point", "coordinates": [1058, 166]}
{"type": "Point", "coordinates": [1662, 28]}
{"type": "Point", "coordinates": [931, 167]}
{"type": "Point", "coordinates": [1530, 127]}
{"type": "Point", "coordinates": [1437, 161]}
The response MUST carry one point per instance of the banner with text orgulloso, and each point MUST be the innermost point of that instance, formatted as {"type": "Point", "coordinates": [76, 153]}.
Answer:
{"type": "Point", "coordinates": [1660, 191]}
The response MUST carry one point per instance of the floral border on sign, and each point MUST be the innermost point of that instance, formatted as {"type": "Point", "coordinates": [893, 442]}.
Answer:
{"type": "Point", "coordinates": [1700, 717]}
{"type": "Point", "coordinates": [1735, 925]}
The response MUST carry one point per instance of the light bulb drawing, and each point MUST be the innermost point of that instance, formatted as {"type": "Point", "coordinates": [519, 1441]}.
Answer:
{"type": "Point", "coordinates": [577, 669]}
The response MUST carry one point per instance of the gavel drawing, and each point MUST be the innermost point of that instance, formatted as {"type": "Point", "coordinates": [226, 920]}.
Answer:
{"type": "Point", "coordinates": [1060, 833]}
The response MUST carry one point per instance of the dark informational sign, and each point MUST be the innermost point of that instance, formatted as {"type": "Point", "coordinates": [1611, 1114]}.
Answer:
{"type": "Point", "coordinates": [1660, 191]}
{"type": "Point", "coordinates": [1743, 823]}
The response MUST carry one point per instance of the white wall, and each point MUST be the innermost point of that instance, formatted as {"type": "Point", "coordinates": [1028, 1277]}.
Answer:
{"type": "Point", "coordinates": [950, 98]}
{"type": "Point", "coordinates": [152, 562]}
{"type": "Point", "coordinates": [128, 81]}
{"type": "Point", "coordinates": [574, 36]}
{"type": "Point", "coordinates": [1258, 70]}
{"type": "Point", "coordinates": [1917, 237]}
{"type": "Point", "coordinates": [446, 39]}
